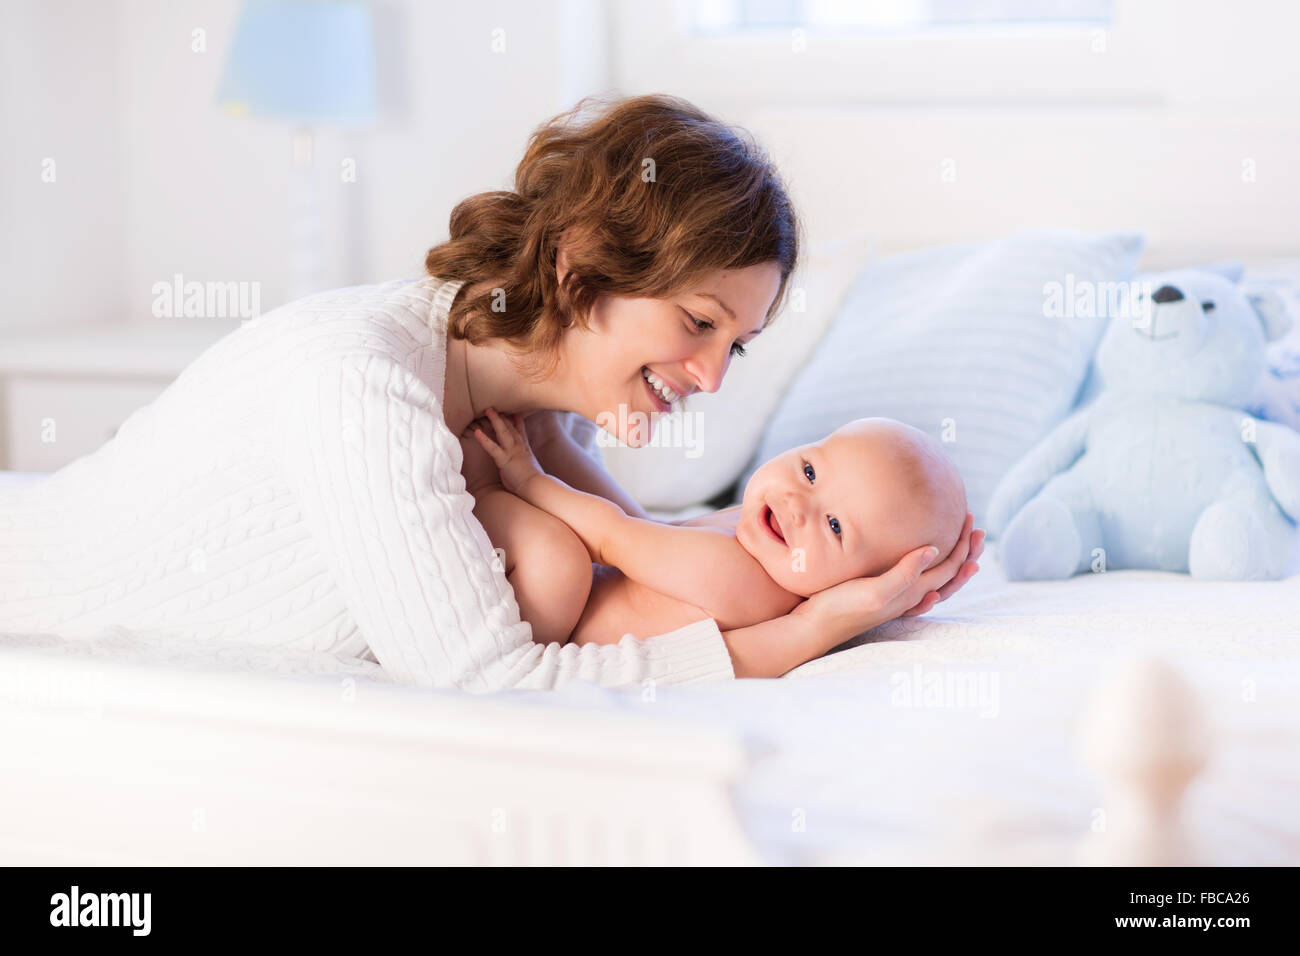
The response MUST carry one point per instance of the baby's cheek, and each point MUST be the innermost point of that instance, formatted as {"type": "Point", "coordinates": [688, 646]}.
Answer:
{"type": "Point", "coordinates": [875, 565]}
{"type": "Point", "coordinates": [824, 570]}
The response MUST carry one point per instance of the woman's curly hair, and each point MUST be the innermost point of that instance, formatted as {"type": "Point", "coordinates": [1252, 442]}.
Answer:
{"type": "Point", "coordinates": [650, 193]}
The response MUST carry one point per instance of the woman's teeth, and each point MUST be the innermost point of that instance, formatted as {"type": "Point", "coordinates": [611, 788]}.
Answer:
{"type": "Point", "coordinates": [658, 386]}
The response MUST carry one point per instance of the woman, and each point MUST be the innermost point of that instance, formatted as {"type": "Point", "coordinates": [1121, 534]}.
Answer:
{"type": "Point", "coordinates": [299, 485]}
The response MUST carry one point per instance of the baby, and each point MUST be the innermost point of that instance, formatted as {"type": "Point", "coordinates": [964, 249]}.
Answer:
{"type": "Point", "coordinates": [848, 506]}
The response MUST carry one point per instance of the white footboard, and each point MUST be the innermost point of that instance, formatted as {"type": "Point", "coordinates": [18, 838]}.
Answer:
{"type": "Point", "coordinates": [114, 763]}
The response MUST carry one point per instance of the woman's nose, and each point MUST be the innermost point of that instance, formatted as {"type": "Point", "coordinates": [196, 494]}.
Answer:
{"type": "Point", "coordinates": [708, 367]}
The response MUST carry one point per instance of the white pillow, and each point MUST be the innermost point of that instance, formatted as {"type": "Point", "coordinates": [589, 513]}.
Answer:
{"type": "Point", "coordinates": [698, 451]}
{"type": "Point", "coordinates": [962, 343]}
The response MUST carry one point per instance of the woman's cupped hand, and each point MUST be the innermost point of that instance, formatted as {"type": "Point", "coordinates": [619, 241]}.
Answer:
{"type": "Point", "coordinates": [912, 586]}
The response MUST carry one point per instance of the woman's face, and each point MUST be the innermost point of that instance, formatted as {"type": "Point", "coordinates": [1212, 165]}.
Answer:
{"type": "Point", "coordinates": [640, 357]}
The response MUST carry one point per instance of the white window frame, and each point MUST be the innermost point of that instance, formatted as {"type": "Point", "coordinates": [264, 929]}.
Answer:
{"type": "Point", "coordinates": [654, 49]}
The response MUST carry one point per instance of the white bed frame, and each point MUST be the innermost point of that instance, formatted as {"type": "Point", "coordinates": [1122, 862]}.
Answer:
{"type": "Point", "coordinates": [111, 762]}
{"type": "Point", "coordinates": [116, 763]}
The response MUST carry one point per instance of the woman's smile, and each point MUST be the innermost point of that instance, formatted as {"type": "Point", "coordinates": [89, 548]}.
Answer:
{"type": "Point", "coordinates": [657, 398]}
{"type": "Point", "coordinates": [661, 392]}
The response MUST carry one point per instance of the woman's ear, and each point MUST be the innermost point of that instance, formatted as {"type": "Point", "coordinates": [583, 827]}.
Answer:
{"type": "Point", "coordinates": [561, 260]}
{"type": "Point", "coordinates": [562, 269]}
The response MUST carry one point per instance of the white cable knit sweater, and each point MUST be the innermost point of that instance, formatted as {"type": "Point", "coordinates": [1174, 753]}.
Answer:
{"type": "Point", "coordinates": [296, 487]}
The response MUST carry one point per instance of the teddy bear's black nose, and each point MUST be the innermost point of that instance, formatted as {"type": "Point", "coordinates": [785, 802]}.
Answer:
{"type": "Point", "coordinates": [1166, 293]}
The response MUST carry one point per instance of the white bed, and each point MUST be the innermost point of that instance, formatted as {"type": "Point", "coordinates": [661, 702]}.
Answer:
{"type": "Point", "coordinates": [117, 751]}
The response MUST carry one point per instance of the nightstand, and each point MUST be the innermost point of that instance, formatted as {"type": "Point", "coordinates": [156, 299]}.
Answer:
{"type": "Point", "coordinates": [64, 392]}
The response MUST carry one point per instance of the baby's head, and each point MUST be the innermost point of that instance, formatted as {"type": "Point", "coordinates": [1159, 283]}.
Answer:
{"type": "Point", "coordinates": [851, 505]}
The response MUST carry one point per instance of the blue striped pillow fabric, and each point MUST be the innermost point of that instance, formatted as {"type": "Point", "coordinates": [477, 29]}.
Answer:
{"type": "Point", "coordinates": [983, 346]}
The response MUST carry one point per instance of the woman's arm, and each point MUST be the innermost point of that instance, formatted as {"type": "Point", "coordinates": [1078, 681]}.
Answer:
{"type": "Point", "coordinates": [561, 456]}
{"type": "Point", "coordinates": [364, 447]}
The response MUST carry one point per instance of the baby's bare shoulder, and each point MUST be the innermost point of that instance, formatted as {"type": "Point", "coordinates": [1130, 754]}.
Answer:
{"type": "Point", "coordinates": [742, 592]}
{"type": "Point", "coordinates": [725, 519]}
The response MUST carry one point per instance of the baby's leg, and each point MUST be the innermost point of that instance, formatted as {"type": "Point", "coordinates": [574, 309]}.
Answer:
{"type": "Point", "coordinates": [546, 563]}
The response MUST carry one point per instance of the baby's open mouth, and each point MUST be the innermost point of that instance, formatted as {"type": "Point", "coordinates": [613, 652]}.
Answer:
{"type": "Point", "coordinates": [772, 525]}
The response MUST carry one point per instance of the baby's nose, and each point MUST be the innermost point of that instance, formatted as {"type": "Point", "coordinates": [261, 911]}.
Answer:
{"type": "Point", "coordinates": [797, 507]}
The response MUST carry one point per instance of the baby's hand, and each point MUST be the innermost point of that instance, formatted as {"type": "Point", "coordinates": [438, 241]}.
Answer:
{"type": "Point", "coordinates": [510, 451]}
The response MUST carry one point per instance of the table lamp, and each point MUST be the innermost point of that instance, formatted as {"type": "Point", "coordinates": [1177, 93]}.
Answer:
{"type": "Point", "coordinates": [310, 63]}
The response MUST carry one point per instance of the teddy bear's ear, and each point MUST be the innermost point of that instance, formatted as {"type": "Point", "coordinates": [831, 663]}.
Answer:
{"type": "Point", "coordinates": [1230, 269]}
{"type": "Point", "coordinates": [1132, 241]}
{"type": "Point", "coordinates": [1272, 312]}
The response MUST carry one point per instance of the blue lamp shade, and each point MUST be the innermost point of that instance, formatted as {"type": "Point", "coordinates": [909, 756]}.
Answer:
{"type": "Point", "coordinates": [311, 61]}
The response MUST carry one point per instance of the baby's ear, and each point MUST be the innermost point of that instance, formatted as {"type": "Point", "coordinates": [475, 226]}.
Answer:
{"type": "Point", "coordinates": [1272, 312]}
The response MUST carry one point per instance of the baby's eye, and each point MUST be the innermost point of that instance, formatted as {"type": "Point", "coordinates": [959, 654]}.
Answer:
{"type": "Point", "coordinates": [835, 525]}
{"type": "Point", "coordinates": [809, 473]}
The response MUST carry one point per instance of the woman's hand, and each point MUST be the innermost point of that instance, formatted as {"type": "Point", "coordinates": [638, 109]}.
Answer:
{"type": "Point", "coordinates": [831, 617]}
{"type": "Point", "coordinates": [511, 452]}
{"type": "Point", "coordinates": [906, 590]}
{"type": "Point", "coordinates": [972, 541]}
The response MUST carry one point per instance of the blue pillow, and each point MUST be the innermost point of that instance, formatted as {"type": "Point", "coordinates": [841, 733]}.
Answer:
{"type": "Point", "coordinates": [984, 346]}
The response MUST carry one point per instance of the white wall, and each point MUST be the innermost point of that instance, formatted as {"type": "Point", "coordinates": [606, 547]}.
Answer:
{"type": "Point", "coordinates": [155, 179]}
{"type": "Point", "coordinates": [916, 178]}
{"type": "Point", "coordinates": [1184, 122]}
{"type": "Point", "coordinates": [62, 248]}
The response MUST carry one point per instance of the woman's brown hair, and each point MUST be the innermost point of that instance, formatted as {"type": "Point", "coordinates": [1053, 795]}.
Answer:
{"type": "Point", "coordinates": [650, 193]}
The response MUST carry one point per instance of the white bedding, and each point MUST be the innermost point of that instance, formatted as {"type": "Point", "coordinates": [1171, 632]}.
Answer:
{"type": "Point", "coordinates": [843, 770]}
{"type": "Point", "coordinates": [876, 780]}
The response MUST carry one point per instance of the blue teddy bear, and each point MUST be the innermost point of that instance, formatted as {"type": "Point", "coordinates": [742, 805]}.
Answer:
{"type": "Point", "coordinates": [1164, 470]}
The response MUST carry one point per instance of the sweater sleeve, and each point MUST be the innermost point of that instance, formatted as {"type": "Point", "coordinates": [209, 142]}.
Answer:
{"type": "Point", "coordinates": [377, 473]}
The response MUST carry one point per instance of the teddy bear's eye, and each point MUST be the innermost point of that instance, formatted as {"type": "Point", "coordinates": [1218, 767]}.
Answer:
{"type": "Point", "coordinates": [1207, 306]}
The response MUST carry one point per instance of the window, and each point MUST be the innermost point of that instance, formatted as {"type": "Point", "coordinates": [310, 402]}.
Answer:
{"type": "Point", "coordinates": [913, 52]}
{"type": "Point", "coordinates": [732, 16]}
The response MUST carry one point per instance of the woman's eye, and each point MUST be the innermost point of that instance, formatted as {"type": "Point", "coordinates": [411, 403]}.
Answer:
{"type": "Point", "coordinates": [809, 473]}
{"type": "Point", "coordinates": [738, 349]}
{"type": "Point", "coordinates": [835, 525]}
{"type": "Point", "coordinates": [700, 324]}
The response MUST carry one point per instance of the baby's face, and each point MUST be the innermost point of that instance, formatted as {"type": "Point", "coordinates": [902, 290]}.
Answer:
{"type": "Point", "coordinates": [849, 506]}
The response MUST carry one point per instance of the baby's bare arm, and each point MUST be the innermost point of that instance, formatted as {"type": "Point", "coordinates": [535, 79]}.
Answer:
{"type": "Point", "coordinates": [595, 520]}
{"type": "Point", "coordinates": [704, 567]}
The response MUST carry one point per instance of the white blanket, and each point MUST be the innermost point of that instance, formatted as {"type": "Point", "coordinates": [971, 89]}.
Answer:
{"type": "Point", "coordinates": [856, 762]}
{"type": "Point", "coordinates": [852, 760]}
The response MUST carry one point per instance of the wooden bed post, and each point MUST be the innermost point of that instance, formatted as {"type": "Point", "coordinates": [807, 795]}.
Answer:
{"type": "Point", "coordinates": [1145, 734]}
